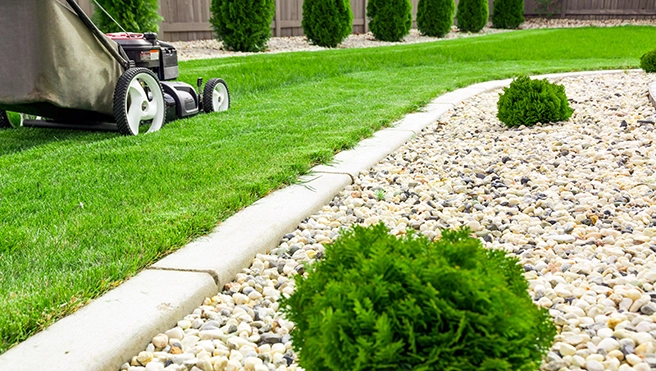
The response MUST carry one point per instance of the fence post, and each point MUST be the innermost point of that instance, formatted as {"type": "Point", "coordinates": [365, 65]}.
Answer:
{"type": "Point", "coordinates": [160, 24]}
{"type": "Point", "coordinates": [366, 24]}
{"type": "Point", "coordinates": [277, 19]}
{"type": "Point", "coordinates": [563, 8]}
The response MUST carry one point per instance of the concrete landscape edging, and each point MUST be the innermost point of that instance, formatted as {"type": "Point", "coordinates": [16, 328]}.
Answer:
{"type": "Point", "coordinates": [122, 322]}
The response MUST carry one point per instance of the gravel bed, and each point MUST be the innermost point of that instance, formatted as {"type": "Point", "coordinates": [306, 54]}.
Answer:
{"type": "Point", "coordinates": [574, 201]}
{"type": "Point", "coordinates": [202, 49]}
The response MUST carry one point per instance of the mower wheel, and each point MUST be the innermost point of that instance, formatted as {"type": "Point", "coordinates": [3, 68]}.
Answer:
{"type": "Point", "coordinates": [4, 120]}
{"type": "Point", "coordinates": [216, 96]}
{"type": "Point", "coordinates": [138, 101]}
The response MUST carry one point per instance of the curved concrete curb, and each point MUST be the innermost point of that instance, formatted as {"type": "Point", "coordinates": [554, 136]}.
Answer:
{"type": "Point", "coordinates": [256, 229]}
{"type": "Point", "coordinates": [102, 335]}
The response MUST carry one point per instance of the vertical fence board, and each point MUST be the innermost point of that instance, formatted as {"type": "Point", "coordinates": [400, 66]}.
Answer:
{"type": "Point", "coordinates": [414, 12]}
{"type": "Point", "coordinates": [358, 16]}
{"type": "Point", "coordinates": [298, 30]}
{"type": "Point", "coordinates": [366, 21]}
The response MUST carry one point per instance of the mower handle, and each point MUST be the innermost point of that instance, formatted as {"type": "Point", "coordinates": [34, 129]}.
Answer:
{"type": "Point", "coordinates": [121, 59]}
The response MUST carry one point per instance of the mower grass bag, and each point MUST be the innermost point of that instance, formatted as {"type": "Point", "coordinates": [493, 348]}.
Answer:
{"type": "Point", "coordinates": [52, 66]}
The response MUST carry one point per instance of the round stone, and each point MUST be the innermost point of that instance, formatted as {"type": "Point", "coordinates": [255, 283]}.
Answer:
{"type": "Point", "coordinates": [144, 357]}
{"type": "Point", "coordinates": [633, 359]}
{"type": "Point", "coordinates": [160, 341]}
{"type": "Point", "coordinates": [608, 344]}
{"type": "Point", "coordinates": [175, 333]}
{"type": "Point", "coordinates": [184, 324]}
{"type": "Point", "coordinates": [593, 365]}
{"type": "Point", "coordinates": [567, 350]}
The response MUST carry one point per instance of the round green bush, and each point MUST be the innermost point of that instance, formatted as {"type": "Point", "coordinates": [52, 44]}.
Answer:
{"type": "Point", "coordinates": [243, 25]}
{"type": "Point", "coordinates": [472, 15]}
{"type": "Point", "coordinates": [389, 20]}
{"type": "Point", "coordinates": [381, 303]}
{"type": "Point", "coordinates": [435, 17]}
{"type": "Point", "coordinates": [132, 15]}
{"type": "Point", "coordinates": [507, 13]}
{"type": "Point", "coordinates": [648, 61]}
{"type": "Point", "coordinates": [527, 102]}
{"type": "Point", "coordinates": [327, 22]}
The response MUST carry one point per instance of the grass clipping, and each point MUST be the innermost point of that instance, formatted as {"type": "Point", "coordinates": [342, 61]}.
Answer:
{"type": "Point", "coordinates": [381, 303]}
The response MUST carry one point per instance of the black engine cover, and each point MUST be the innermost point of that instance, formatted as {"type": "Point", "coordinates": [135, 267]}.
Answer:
{"type": "Point", "coordinates": [148, 52]}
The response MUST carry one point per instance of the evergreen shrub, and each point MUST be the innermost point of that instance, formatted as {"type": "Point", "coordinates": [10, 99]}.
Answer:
{"type": "Point", "coordinates": [435, 17]}
{"type": "Point", "coordinates": [507, 13]}
{"type": "Point", "coordinates": [389, 20]}
{"type": "Point", "coordinates": [527, 102]}
{"type": "Point", "coordinates": [472, 15]}
{"type": "Point", "coordinates": [132, 15]}
{"type": "Point", "coordinates": [327, 22]}
{"type": "Point", "coordinates": [243, 25]}
{"type": "Point", "coordinates": [648, 61]}
{"type": "Point", "coordinates": [381, 303]}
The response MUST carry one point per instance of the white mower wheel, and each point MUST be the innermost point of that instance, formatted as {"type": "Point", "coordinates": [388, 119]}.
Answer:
{"type": "Point", "coordinates": [216, 96]}
{"type": "Point", "coordinates": [138, 101]}
{"type": "Point", "coordinates": [4, 120]}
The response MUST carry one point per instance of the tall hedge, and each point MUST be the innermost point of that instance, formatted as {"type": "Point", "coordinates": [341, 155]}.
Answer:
{"type": "Point", "coordinates": [508, 13]}
{"type": "Point", "coordinates": [389, 20]}
{"type": "Point", "coordinates": [132, 15]}
{"type": "Point", "coordinates": [472, 15]}
{"type": "Point", "coordinates": [435, 17]}
{"type": "Point", "coordinates": [327, 22]}
{"type": "Point", "coordinates": [243, 25]}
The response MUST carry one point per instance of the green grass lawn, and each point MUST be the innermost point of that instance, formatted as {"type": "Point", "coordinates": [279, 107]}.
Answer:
{"type": "Point", "coordinates": [82, 211]}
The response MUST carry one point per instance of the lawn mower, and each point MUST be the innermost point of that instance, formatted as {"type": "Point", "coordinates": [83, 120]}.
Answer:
{"type": "Point", "coordinates": [59, 70]}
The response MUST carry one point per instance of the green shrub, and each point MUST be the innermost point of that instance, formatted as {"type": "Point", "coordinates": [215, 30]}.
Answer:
{"type": "Point", "coordinates": [243, 25]}
{"type": "Point", "coordinates": [472, 15]}
{"type": "Point", "coordinates": [389, 20]}
{"type": "Point", "coordinates": [132, 15]}
{"type": "Point", "coordinates": [327, 22]}
{"type": "Point", "coordinates": [435, 17]}
{"type": "Point", "coordinates": [527, 102]}
{"type": "Point", "coordinates": [648, 61]}
{"type": "Point", "coordinates": [381, 303]}
{"type": "Point", "coordinates": [507, 13]}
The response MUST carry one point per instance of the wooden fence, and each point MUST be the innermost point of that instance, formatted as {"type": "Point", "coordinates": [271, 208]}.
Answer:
{"type": "Point", "coordinates": [189, 19]}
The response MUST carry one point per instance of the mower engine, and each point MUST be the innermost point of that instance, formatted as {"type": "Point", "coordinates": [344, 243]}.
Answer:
{"type": "Point", "coordinates": [181, 99]}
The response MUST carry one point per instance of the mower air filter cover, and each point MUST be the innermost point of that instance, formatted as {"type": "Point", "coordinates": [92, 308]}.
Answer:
{"type": "Point", "coordinates": [169, 62]}
{"type": "Point", "coordinates": [144, 53]}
